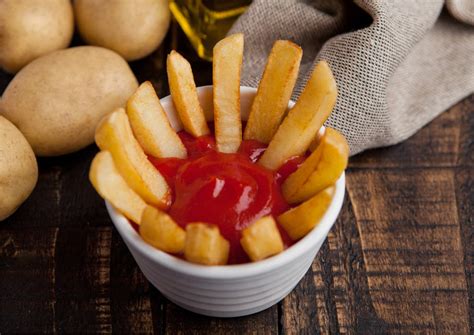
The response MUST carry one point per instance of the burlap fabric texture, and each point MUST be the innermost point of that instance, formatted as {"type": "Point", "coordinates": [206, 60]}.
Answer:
{"type": "Point", "coordinates": [397, 63]}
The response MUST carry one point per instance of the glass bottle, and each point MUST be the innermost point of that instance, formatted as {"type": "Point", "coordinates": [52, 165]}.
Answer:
{"type": "Point", "coordinates": [205, 22]}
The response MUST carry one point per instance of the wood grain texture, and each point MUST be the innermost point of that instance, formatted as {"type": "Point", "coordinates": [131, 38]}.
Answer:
{"type": "Point", "coordinates": [27, 294]}
{"type": "Point", "coordinates": [411, 242]}
{"type": "Point", "coordinates": [82, 280]}
{"type": "Point", "coordinates": [398, 260]}
{"type": "Point", "coordinates": [129, 293]}
{"type": "Point", "coordinates": [334, 294]}
{"type": "Point", "coordinates": [464, 184]}
{"type": "Point", "coordinates": [180, 321]}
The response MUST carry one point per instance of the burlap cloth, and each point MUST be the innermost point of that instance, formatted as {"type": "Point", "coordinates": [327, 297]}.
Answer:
{"type": "Point", "coordinates": [398, 64]}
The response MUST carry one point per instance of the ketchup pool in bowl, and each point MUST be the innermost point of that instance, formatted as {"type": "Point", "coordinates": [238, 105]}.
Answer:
{"type": "Point", "coordinates": [227, 190]}
{"type": "Point", "coordinates": [228, 290]}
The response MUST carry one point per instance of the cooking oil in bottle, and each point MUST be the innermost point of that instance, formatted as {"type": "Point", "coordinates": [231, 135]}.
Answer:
{"type": "Point", "coordinates": [205, 22]}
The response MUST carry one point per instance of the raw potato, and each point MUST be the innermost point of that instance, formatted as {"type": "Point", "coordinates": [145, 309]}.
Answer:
{"type": "Point", "coordinates": [304, 120]}
{"type": "Point", "coordinates": [18, 169]}
{"type": "Point", "coordinates": [108, 182]}
{"type": "Point", "coordinates": [227, 62]}
{"type": "Point", "coordinates": [30, 29]}
{"type": "Point", "coordinates": [134, 29]}
{"type": "Point", "coordinates": [57, 100]}
{"type": "Point", "coordinates": [274, 91]}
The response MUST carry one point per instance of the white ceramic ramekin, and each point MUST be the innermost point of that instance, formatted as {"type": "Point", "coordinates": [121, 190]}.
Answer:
{"type": "Point", "coordinates": [230, 290]}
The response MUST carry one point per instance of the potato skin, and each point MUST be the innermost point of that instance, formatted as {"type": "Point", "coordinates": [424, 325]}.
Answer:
{"type": "Point", "coordinates": [32, 28]}
{"type": "Point", "coordinates": [57, 100]}
{"type": "Point", "coordinates": [134, 29]}
{"type": "Point", "coordinates": [18, 169]}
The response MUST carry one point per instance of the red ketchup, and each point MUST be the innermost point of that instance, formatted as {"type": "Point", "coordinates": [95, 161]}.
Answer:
{"type": "Point", "coordinates": [228, 190]}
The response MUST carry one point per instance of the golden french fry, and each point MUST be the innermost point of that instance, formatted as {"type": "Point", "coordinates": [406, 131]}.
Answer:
{"type": "Point", "coordinates": [161, 231]}
{"type": "Point", "coordinates": [262, 239]}
{"type": "Point", "coordinates": [114, 134]}
{"type": "Point", "coordinates": [151, 126]}
{"type": "Point", "coordinates": [184, 95]}
{"type": "Point", "coordinates": [320, 170]}
{"type": "Point", "coordinates": [205, 245]}
{"type": "Point", "coordinates": [316, 140]}
{"type": "Point", "coordinates": [300, 220]}
{"type": "Point", "coordinates": [227, 61]}
{"type": "Point", "coordinates": [111, 186]}
{"type": "Point", "coordinates": [304, 120]}
{"type": "Point", "coordinates": [274, 91]}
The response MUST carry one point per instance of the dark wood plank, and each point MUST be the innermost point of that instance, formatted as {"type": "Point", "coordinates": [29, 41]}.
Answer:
{"type": "Point", "coordinates": [411, 243]}
{"type": "Point", "coordinates": [356, 314]}
{"type": "Point", "coordinates": [79, 204]}
{"type": "Point", "coordinates": [180, 321]}
{"type": "Point", "coordinates": [464, 188]}
{"type": "Point", "coordinates": [27, 272]}
{"type": "Point", "coordinates": [464, 183]}
{"type": "Point", "coordinates": [130, 300]}
{"type": "Point", "coordinates": [82, 280]}
{"type": "Point", "coordinates": [302, 298]}
{"type": "Point", "coordinates": [333, 297]}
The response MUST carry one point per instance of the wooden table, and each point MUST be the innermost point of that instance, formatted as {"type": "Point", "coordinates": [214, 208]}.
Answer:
{"type": "Point", "coordinates": [398, 260]}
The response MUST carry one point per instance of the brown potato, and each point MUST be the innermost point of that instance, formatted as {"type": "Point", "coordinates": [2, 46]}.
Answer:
{"type": "Point", "coordinates": [133, 29]}
{"type": "Point", "coordinates": [30, 29]}
{"type": "Point", "coordinates": [58, 99]}
{"type": "Point", "coordinates": [18, 169]}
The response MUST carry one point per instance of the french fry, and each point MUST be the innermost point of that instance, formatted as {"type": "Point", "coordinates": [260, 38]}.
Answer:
{"type": "Point", "coordinates": [316, 140]}
{"type": "Point", "coordinates": [300, 220]}
{"type": "Point", "coordinates": [161, 231]}
{"type": "Point", "coordinates": [320, 170]}
{"type": "Point", "coordinates": [304, 120]}
{"type": "Point", "coordinates": [227, 62]}
{"type": "Point", "coordinates": [274, 91]}
{"type": "Point", "coordinates": [111, 186]}
{"type": "Point", "coordinates": [262, 239]}
{"type": "Point", "coordinates": [205, 245]}
{"type": "Point", "coordinates": [151, 126]}
{"type": "Point", "coordinates": [114, 134]}
{"type": "Point", "coordinates": [184, 95]}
